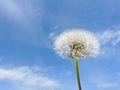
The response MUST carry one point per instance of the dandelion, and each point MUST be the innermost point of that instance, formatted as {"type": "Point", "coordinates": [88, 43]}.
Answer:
{"type": "Point", "coordinates": [76, 44]}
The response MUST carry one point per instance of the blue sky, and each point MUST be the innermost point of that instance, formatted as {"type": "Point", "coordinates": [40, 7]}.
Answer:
{"type": "Point", "coordinates": [27, 32]}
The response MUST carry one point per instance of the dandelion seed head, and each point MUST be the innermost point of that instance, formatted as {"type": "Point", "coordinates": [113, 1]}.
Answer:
{"type": "Point", "coordinates": [76, 43]}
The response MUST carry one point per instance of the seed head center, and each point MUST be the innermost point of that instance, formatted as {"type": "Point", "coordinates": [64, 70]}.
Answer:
{"type": "Point", "coordinates": [76, 49]}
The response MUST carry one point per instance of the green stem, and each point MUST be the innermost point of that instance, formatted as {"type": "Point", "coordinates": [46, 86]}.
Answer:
{"type": "Point", "coordinates": [77, 73]}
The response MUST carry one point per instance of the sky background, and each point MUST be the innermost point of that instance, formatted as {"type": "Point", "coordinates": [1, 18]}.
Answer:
{"type": "Point", "coordinates": [27, 32]}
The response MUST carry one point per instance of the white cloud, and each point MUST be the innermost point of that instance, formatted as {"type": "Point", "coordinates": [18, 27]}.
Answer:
{"type": "Point", "coordinates": [108, 39]}
{"type": "Point", "coordinates": [52, 35]}
{"type": "Point", "coordinates": [11, 9]}
{"type": "Point", "coordinates": [25, 16]}
{"type": "Point", "coordinates": [111, 36]}
{"type": "Point", "coordinates": [107, 84]}
{"type": "Point", "coordinates": [28, 77]}
{"type": "Point", "coordinates": [20, 10]}
{"type": "Point", "coordinates": [104, 80]}
{"type": "Point", "coordinates": [103, 84]}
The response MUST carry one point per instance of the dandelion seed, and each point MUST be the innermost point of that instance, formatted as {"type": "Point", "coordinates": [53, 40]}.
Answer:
{"type": "Point", "coordinates": [76, 43]}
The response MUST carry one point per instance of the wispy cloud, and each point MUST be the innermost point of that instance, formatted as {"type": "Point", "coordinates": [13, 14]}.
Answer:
{"type": "Point", "coordinates": [11, 9]}
{"type": "Point", "coordinates": [21, 11]}
{"type": "Point", "coordinates": [24, 15]}
{"type": "Point", "coordinates": [102, 80]}
{"type": "Point", "coordinates": [108, 39]}
{"type": "Point", "coordinates": [28, 77]}
{"type": "Point", "coordinates": [52, 35]}
{"type": "Point", "coordinates": [103, 84]}
{"type": "Point", "coordinates": [111, 36]}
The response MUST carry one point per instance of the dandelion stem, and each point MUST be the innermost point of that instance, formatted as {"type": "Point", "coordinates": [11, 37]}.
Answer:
{"type": "Point", "coordinates": [77, 73]}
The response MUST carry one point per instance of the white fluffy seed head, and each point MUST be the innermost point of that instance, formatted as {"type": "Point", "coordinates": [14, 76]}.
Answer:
{"type": "Point", "coordinates": [76, 43]}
